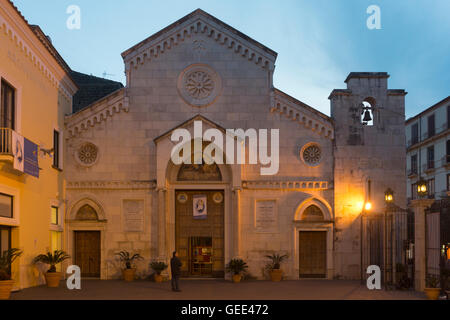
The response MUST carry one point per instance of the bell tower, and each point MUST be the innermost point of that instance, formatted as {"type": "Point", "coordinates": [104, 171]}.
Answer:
{"type": "Point", "coordinates": [370, 157]}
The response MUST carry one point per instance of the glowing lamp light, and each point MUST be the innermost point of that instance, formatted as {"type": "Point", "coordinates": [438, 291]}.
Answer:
{"type": "Point", "coordinates": [368, 206]}
{"type": "Point", "coordinates": [389, 195]}
{"type": "Point", "coordinates": [422, 187]}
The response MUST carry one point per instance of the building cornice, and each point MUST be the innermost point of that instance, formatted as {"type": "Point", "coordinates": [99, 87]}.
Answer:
{"type": "Point", "coordinates": [111, 185]}
{"type": "Point", "coordinates": [199, 23]}
{"type": "Point", "coordinates": [301, 113]}
{"type": "Point", "coordinates": [97, 112]}
{"type": "Point", "coordinates": [34, 50]}
{"type": "Point", "coordinates": [296, 185]}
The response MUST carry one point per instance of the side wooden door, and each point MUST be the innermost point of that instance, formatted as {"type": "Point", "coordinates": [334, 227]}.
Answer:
{"type": "Point", "coordinates": [312, 254]}
{"type": "Point", "coordinates": [87, 253]}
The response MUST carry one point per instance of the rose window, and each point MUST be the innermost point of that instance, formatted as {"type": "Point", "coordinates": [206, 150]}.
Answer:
{"type": "Point", "coordinates": [87, 154]}
{"type": "Point", "coordinates": [199, 84]}
{"type": "Point", "coordinates": [312, 155]}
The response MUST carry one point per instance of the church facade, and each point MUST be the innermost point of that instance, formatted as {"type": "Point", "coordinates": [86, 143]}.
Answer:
{"type": "Point", "coordinates": [124, 192]}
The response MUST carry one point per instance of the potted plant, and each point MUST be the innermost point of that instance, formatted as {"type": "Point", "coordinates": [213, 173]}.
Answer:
{"type": "Point", "coordinates": [403, 281]}
{"type": "Point", "coordinates": [158, 267]}
{"type": "Point", "coordinates": [274, 266]}
{"type": "Point", "coordinates": [52, 278]}
{"type": "Point", "coordinates": [432, 289]}
{"type": "Point", "coordinates": [128, 260]}
{"type": "Point", "coordinates": [6, 260]}
{"type": "Point", "coordinates": [236, 267]}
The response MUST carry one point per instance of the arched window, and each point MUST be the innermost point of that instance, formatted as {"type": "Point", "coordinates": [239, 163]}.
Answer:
{"type": "Point", "coordinates": [367, 112]}
{"type": "Point", "coordinates": [86, 212]}
{"type": "Point", "coordinates": [312, 213]}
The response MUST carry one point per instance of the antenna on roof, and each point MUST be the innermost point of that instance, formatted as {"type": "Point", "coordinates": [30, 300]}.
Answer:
{"type": "Point", "coordinates": [104, 74]}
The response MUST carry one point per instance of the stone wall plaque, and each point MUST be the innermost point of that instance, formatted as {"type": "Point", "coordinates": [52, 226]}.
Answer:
{"type": "Point", "coordinates": [133, 215]}
{"type": "Point", "coordinates": [266, 219]}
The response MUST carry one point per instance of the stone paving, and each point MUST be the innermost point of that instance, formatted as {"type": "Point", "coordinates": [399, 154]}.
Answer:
{"type": "Point", "coordinates": [215, 290]}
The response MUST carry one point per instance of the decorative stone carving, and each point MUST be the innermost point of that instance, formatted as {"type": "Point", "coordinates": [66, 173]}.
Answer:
{"type": "Point", "coordinates": [86, 212]}
{"type": "Point", "coordinates": [87, 154]}
{"type": "Point", "coordinates": [311, 154]}
{"type": "Point", "coordinates": [199, 85]}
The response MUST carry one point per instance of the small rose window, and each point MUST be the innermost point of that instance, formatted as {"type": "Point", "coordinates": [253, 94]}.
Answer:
{"type": "Point", "coordinates": [311, 154]}
{"type": "Point", "coordinates": [87, 154]}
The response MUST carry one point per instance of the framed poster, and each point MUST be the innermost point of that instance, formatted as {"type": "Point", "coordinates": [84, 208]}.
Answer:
{"type": "Point", "coordinates": [266, 216]}
{"type": "Point", "coordinates": [200, 207]}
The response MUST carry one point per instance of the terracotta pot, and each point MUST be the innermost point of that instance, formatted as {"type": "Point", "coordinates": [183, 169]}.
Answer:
{"type": "Point", "coordinates": [53, 279]}
{"type": "Point", "coordinates": [128, 274]}
{"type": "Point", "coordinates": [237, 278]}
{"type": "Point", "coordinates": [158, 278]}
{"type": "Point", "coordinates": [5, 289]}
{"type": "Point", "coordinates": [276, 275]}
{"type": "Point", "coordinates": [432, 293]}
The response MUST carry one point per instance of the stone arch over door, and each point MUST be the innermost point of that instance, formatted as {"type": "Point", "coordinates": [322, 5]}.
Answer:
{"type": "Point", "coordinates": [86, 201]}
{"type": "Point", "coordinates": [313, 238]}
{"type": "Point", "coordinates": [86, 228]}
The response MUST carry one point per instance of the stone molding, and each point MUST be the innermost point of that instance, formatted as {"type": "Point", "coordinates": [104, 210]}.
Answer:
{"type": "Point", "coordinates": [296, 111]}
{"type": "Point", "coordinates": [287, 185]}
{"type": "Point", "coordinates": [9, 32]}
{"type": "Point", "coordinates": [98, 112]}
{"type": "Point", "coordinates": [111, 185]}
{"type": "Point", "coordinates": [201, 25]}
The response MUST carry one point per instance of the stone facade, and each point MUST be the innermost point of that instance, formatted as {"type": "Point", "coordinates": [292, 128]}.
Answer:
{"type": "Point", "coordinates": [200, 69]}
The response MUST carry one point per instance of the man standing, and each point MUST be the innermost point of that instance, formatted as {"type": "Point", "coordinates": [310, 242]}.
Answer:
{"type": "Point", "coordinates": [175, 266]}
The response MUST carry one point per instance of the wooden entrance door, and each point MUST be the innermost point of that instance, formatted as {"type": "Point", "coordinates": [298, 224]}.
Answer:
{"type": "Point", "coordinates": [87, 253]}
{"type": "Point", "coordinates": [312, 254]}
{"type": "Point", "coordinates": [200, 242]}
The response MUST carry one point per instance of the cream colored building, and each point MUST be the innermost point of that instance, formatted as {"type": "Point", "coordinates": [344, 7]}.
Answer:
{"type": "Point", "coordinates": [36, 94]}
{"type": "Point", "coordinates": [124, 192]}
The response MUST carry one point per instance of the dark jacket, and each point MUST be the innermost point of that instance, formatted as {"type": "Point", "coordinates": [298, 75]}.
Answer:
{"type": "Point", "coordinates": [175, 265]}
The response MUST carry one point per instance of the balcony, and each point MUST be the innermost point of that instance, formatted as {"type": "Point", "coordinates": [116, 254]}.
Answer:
{"type": "Point", "coordinates": [412, 172]}
{"type": "Point", "coordinates": [428, 167]}
{"type": "Point", "coordinates": [6, 152]}
{"type": "Point", "coordinates": [445, 161]}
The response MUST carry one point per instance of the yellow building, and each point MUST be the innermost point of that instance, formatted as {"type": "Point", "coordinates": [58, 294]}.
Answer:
{"type": "Point", "coordinates": [36, 93]}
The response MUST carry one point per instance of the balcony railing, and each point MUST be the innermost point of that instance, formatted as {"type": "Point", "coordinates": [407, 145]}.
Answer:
{"type": "Point", "coordinates": [427, 135]}
{"type": "Point", "coordinates": [6, 141]}
{"type": "Point", "coordinates": [429, 165]}
{"type": "Point", "coordinates": [445, 161]}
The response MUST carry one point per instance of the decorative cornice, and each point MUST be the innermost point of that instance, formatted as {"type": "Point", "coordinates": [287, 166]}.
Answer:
{"type": "Point", "coordinates": [287, 185]}
{"type": "Point", "coordinates": [111, 185]}
{"type": "Point", "coordinates": [160, 44]}
{"type": "Point", "coordinates": [98, 112]}
{"type": "Point", "coordinates": [301, 113]}
{"type": "Point", "coordinates": [9, 32]}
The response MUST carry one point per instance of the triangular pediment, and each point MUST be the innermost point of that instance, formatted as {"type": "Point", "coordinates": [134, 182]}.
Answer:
{"type": "Point", "coordinates": [196, 22]}
{"type": "Point", "coordinates": [189, 124]}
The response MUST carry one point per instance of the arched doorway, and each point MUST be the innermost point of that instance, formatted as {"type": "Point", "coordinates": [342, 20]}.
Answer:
{"type": "Point", "coordinates": [313, 237]}
{"type": "Point", "coordinates": [86, 225]}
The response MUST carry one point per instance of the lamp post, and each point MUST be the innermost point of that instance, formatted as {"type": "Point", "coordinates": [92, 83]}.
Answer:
{"type": "Point", "coordinates": [422, 189]}
{"type": "Point", "coordinates": [389, 199]}
{"type": "Point", "coordinates": [389, 196]}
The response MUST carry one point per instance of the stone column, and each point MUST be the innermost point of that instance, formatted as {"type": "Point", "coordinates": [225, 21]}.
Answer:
{"type": "Point", "coordinates": [237, 222]}
{"type": "Point", "coordinates": [419, 207]}
{"type": "Point", "coordinates": [162, 224]}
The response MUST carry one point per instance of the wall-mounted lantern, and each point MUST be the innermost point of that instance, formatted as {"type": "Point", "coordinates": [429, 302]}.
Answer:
{"type": "Point", "coordinates": [422, 189]}
{"type": "Point", "coordinates": [389, 195]}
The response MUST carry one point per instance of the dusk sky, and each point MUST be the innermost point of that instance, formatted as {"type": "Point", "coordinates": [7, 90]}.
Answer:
{"type": "Point", "coordinates": [318, 42]}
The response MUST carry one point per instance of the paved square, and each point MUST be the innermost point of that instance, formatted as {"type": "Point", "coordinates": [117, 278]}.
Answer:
{"type": "Point", "coordinates": [215, 290]}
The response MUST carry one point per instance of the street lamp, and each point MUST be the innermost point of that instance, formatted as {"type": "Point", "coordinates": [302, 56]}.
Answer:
{"type": "Point", "coordinates": [389, 195]}
{"type": "Point", "coordinates": [422, 189]}
{"type": "Point", "coordinates": [368, 206]}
